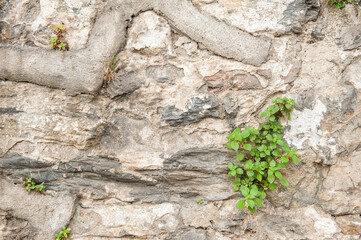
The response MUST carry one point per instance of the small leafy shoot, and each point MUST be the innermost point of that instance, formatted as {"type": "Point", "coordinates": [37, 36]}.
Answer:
{"type": "Point", "coordinates": [30, 185]}
{"type": "Point", "coordinates": [56, 40]}
{"type": "Point", "coordinates": [63, 234]}
{"type": "Point", "coordinates": [111, 68]}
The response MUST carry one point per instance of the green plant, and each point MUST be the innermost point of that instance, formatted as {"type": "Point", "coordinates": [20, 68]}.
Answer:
{"type": "Point", "coordinates": [200, 201]}
{"type": "Point", "coordinates": [340, 4]}
{"type": "Point", "coordinates": [261, 154]}
{"type": "Point", "coordinates": [57, 41]}
{"type": "Point", "coordinates": [63, 234]}
{"type": "Point", "coordinates": [112, 67]}
{"type": "Point", "coordinates": [31, 185]}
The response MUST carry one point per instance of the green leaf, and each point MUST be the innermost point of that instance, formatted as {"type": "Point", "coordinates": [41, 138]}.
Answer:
{"type": "Point", "coordinates": [288, 106]}
{"type": "Point", "coordinates": [280, 142]}
{"type": "Point", "coordinates": [234, 145]}
{"type": "Point", "coordinates": [259, 177]}
{"type": "Point", "coordinates": [238, 138]}
{"type": "Point", "coordinates": [252, 138]}
{"type": "Point", "coordinates": [260, 148]}
{"type": "Point", "coordinates": [230, 166]}
{"type": "Point", "coordinates": [228, 145]}
{"type": "Point", "coordinates": [233, 173]}
{"type": "Point", "coordinates": [272, 145]}
{"type": "Point", "coordinates": [272, 163]}
{"type": "Point", "coordinates": [258, 202]}
{"type": "Point", "coordinates": [262, 195]}
{"type": "Point", "coordinates": [262, 155]}
{"type": "Point", "coordinates": [252, 210]}
{"type": "Point", "coordinates": [245, 133]}
{"type": "Point", "coordinates": [284, 159]}
{"type": "Point", "coordinates": [263, 115]}
{"type": "Point", "coordinates": [250, 173]}
{"type": "Point", "coordinates": [236, 131]}
{"type": "Point", "coordinates": [295, 159]}
{"type": "Point", "coordinates": [286, 148]}
{"type": "Point", "coordinates": [269, 137]}
{"type": "Point", "coordinates": [241, 204]}
{"type": "Point", "coordinates": [240, 156]}
{"type": "Point", "coordinates": [271, 178]}
{"type": "Point", "coordinates": [278, 175]}
{"type": "Point", "coordinates": [277, 153]}
{"type": "Point", "coordinates": [272, 186]}
{"type": "Point", "coordinates": [248, 147]}
{"type": "Point", "coordinates": [285, 182]}
{"type": "Point", "coordinates": [250, 203]}
{"type": "Point", "coordinates": [244, 190]}
{"type": "Point", "coordinates": [239, 171]}
{"type": "Point", "coordinates": [272, 118]}
{"type": "Point", "coordinates": [254, 192]}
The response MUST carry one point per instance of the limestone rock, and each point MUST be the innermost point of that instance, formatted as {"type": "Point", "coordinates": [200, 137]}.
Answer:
{"type": "Point", "coordinates": [351, 37]}
{"type": "Point", "coordinates": [164, 74]}
{"type": "Point", "coordinates": [217, 80]}
{"type": "Point", "coordinates": [238, 79]}
{"type": "Point", "coordinates": [196, 109]}
{"type": "Point", "coordinates": [123, 83]}
{"type": "Point", "coordinates": [243, 80]}
{"type": "Point", "coordinates": [150, 34]}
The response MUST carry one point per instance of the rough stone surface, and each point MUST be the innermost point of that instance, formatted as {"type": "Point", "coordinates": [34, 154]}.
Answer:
{"type": "Point", "coordinates": [196, 109]}
{"type": "Point", "coordinates": [131, 159]}
{"type": "Point", "coordinates": [351, 37]}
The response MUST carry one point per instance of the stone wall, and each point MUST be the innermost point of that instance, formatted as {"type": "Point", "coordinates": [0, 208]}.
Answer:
{"type": "Point", "coordinates": [131, 159]}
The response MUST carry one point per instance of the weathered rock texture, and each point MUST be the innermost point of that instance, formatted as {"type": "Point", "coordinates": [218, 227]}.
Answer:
{"type": "Point", "coordinates": [130, 160]}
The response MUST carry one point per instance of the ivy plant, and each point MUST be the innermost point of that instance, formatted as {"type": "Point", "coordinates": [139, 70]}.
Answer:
{"type": "Point", "coordinates": [30, 185]}
{"type": "Point", "coordinates": [262, 154]}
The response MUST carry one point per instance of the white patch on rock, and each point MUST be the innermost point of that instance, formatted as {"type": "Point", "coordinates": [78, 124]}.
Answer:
{"type": "Point", "coordinates": [255, 16]}
{"type": "Point", "coordinates": [326, 225]}
{"type": "Point", "coordinates": [305, 126]}
{"type": "Point", "coordinates": [149, 34]}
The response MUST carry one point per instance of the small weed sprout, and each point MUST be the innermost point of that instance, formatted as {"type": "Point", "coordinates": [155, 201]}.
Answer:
{"type": "Point", "coordinates": [63, 234]}
{"type": "Point", "coordinates": [31, 185]}
{"type": "Point", "coordinates": [261, 155]}
{"type": "Point", "coordinates": [200, 201]}
{"type": "Point", "coordinates": [112, 67]}
{"type": "Point", "coordinates": [57, 40]}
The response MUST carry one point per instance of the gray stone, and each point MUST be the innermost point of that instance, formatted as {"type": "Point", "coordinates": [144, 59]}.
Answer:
{"type": "Point", "coordinates": [293, 72]}
{"type": "Point", "coordinates": [194, 234]}
{"type": "Point", "coordinates": [218, 80]}
{"type": "Point", "coordinates": [351, 36]}
{"type": "Point", "coordinates": [244, 81]}
{"type": "Point", "coordinates": [266, 73]}
{"type": "Point", "coordinates": [298, 13]}
{"type": "Point", "coordinates": [230, 106]}
{"type": "Point", "coordinates": [123, 83]}
{"type": "Point", "coordinates": [197, 109]}
{"type": "Point", "coordinates": [165, 73]}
